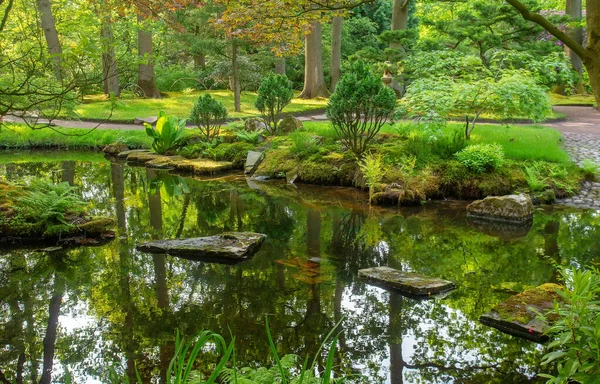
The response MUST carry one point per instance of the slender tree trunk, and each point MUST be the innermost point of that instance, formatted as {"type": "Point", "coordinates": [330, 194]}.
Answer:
{"type": "Point", "coordinates": [336, 51]}
{"type": "Point", "coordinates": [51, 329]}
{"type": "Point", "coordinates": [51, 35]}
{"type": "Point", "coordinates": [399, 18]}
{"type": "Point", "coordinates": [573, 9]}
{"type": "Point", "coordinates": [314, 80]}
{"type": "Point", "coordinates": [146, 77]}
{"type": "Point", "coordinates": [200, 61]}
{"type": "Point", "coordinates": [235, 77]}
{"type": "Point", "coordinates": [110, 77]}
{"type": "Point", "coordinates": [280, 66]}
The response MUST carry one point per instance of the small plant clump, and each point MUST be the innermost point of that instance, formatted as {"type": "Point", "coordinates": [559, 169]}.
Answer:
{"type": "Point", "coordinates": [373, 170]}
{"type": "Point", "coordinates": [359, 107]}
{"type": "Point", "coordinates": [274, 94]}
{"type": "Point", "coordinates": [481, 158]}
{"type": "Point", "coordinates": [168, 134]}
{"type": "Point", "coordinates": [590, 169]}
{"type": "Point", "coordinates": [207, 114]}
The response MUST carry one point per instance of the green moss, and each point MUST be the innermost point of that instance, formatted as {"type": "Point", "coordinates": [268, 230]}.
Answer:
{"type": "Point", "coordinates": [519, 308]}
{"type": "Point", "coordinates": [320, 173]}
{"type": "Point", "coordinates": [277, 164]}
{"type": "Point", "coordinates": [234, 152]}
{"type": "Point", "coordinates": [96, 226]}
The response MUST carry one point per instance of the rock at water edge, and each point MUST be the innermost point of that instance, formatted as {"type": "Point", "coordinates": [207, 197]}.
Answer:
{"type": "Point", "coordinates": [517, 315]}
{"type": "Point", "coordinates": [406, 282]}
{"type": "Point", "coordinates": [253, 160]}
{"type": "Point", "coordinates": [227, 247]}
{"type": "Point", "coordinates": [509, 208]}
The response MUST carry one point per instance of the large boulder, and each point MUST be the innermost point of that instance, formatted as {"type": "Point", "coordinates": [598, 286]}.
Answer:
{"type": "Point", "coordinates": [289, 124]}
{"type": "Point", "coordinates": [509, 208]}
{"type": "Point", "coordinates": [228, 248]}
{"type": "Point", "coordinates": [255, 124]}
{"type": "Point", "coordinates": [115, 148]}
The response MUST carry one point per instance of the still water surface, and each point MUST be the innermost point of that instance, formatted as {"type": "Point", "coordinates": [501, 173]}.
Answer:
{"type": "Point", "coordinates": [117, 307]}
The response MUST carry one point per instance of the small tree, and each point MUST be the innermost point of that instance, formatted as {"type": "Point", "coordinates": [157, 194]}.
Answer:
{"type": "Point", "coordinates": [274, 94]}
{"type": "Point", "coordinates": [207, 115]}
{"type": "Point", "coordinates": [360, 105]}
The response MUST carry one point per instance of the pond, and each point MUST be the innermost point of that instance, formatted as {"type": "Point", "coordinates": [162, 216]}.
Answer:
{"type": "Point", "coordinates": [117, 307]}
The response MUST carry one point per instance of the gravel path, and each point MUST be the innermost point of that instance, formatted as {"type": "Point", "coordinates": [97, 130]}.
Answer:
{"type": "Point", "coordinates": [581, 136]}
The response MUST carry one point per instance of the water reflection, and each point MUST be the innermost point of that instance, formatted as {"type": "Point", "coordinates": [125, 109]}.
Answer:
{"type": "Point", "coordinates": [84, 310]}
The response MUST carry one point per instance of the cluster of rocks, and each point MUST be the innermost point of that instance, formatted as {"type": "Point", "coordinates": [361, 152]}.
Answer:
{"type": "Point", "coordinates": [581, 147]}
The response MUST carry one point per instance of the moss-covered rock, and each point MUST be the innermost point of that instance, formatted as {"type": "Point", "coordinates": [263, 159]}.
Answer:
{"type": "Point", "coordinates": [277, 164]}
{"type": "Point", "coordinates": [235, 153]}
{"type": "Point", "coordinates": [320, 173]}
{"type": "Point", "coordinates": [96, 226]}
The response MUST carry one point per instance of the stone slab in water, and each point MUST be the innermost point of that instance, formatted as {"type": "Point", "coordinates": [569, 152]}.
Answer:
{"type": "Point", "coordinates": [231, 247]}
{"type": "Point", "coordinates": [253, 160]}
{"type": "Point", "coordinates": [412, 284]}
{"type": "Point", "coordinates": [517, 315]}
{"type": "Point", "coordinates": [509, 208]}
{"type": "Point", "coordinates": [125, 154]}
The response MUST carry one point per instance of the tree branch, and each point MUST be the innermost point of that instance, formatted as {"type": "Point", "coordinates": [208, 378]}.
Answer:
{"type": "Point", "coordinates": [548, 26]}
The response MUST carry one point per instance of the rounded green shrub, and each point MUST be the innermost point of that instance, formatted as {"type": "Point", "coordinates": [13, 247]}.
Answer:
{"type": "Point", "coordinates": [207, 115]}
{"type": "Point", "coordinates": [274, 94]}
{"type": "Point", "coordinates": [481, 158]}
{"type": "Point", "coordinates": [360, 105]}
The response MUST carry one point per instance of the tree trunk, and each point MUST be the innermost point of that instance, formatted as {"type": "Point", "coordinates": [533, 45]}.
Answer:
{"type": "Point", "coordinates": [110, 77]}
{"type": "Point", "coordinates": [314, 80]}
{"type": "Point", "coordinates": [336, 51]}
{"type": "Point", "coordinates": [146, 77]}
{"type": "Point", "coordinates": [235, 77]}
{"type": "Point", "coordinates": [573, 9]}
{"type": "Point", "coordinates": [280, 66]}
{"type": "Point", "coordinates": [51, 329]}
{"type": "Point", "coordinates": [399, 18]}
{"type": "Point", "coordinates": [200, 61]}
{"type": "Point", "coordinates": [592, 61]}
{"type": "Point", "coordinates": [51, 35]}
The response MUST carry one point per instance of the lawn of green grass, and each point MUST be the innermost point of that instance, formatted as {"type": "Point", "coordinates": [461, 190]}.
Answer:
{"type": "Point", "coordinates": [17, 136]}
{"type": "Point", "coordinates": [180, 104]}
{"type": "Point", "coordinates": [50, 156]}
{"type": "Point", "coordinates": [557, 99]}
{"type": "Point", "coordinates": [519, 142]}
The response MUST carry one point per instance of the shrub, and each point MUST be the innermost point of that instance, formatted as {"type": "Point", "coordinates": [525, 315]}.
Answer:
{"type": "Point", "coordinates": [248, 137]}
{"type": "Point", "coordinates": [576, 332]}
{"type": "Point", "coordinates": [481, 157]}
{"type": "Point", "coordinates": [168, 134]}
{"type": "Point", "coordinates": [274, 94]}
{"type": "Point", "coordinates": [207, 115]}
{"type": "Point", "coordinates": [359, 107]}
{"type": "Point", "coordinates": [303, 144]}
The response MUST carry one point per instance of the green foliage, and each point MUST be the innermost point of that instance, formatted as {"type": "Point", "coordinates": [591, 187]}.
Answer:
{"type": "Point", "coordinates": [207, 115]}
{"type": "Point", "coordinates": [373, 170]}
{"type": "Point", "coordinates": [303, 144]}
{"type": "Point", "coordinates": [45, 208]}
{"type": "Point", "coordinates": [575, 348]}
{"type": "Point", "coordinates": [535, 180]}
{"type": "Point", "coordinates": [359, 107]}
{"type": "Point", "coordinates": [590, 169]}
{"type": "Point", "coordinates": [274, 94]}
{"type": "Point", "coordinates": [481, 158]}
{"type": "Point", "coordinates": [168, 134]}
{"type": "Point", "coordinates": [249, 137]}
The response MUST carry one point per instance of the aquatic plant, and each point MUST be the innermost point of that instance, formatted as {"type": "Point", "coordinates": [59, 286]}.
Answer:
{"type": "Point", "coordinates": [576, 332]}
{"type": "Point", "coordinates": [168, 134]}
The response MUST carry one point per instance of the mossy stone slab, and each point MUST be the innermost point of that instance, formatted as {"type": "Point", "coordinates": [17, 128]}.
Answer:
{"type": "Point", "coordinates": [408, 283]}
{"type": "Point", "coordinates": [227, 248]}
{"type": "Point", "coordinates": [517, 315]}
{"type": "Point", "coordinates": [125, 154]}
{"type": "Point", "coordinates": [201, 166]}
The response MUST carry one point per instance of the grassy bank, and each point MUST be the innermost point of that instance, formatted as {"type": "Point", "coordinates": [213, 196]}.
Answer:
{"type": "Point", "coordinates": [16, 136]}
{"type": "Point", "coordinates": [180, 104]}
{"type": "Point", "coordinates": [557, 99]}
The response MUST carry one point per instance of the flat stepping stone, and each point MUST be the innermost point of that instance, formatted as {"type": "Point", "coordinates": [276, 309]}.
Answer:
{"type": "Point", "coordinates": [125, 154]}
{"type": "Point", "coordinates": [227, 248]}
{"type": "Point", "coordinates": [517, 315]}
{"type": "Point", "coordinates": [408, 283]}
{"type": "Point", "coordinates": [202, 166]}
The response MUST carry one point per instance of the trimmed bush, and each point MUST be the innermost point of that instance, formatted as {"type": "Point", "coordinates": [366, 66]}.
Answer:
{"type": "Point", "coordinates": [207, 115]}
{"type": "Point", "coordinates": [274, 94]}
{"type": "Point", "coordinates": [481, 158]}
{"type": "Point", "coordinates": [358, 108]}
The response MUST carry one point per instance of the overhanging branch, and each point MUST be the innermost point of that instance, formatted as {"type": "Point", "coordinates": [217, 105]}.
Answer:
{"type": "Point", "coordinates": [548, 26]}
